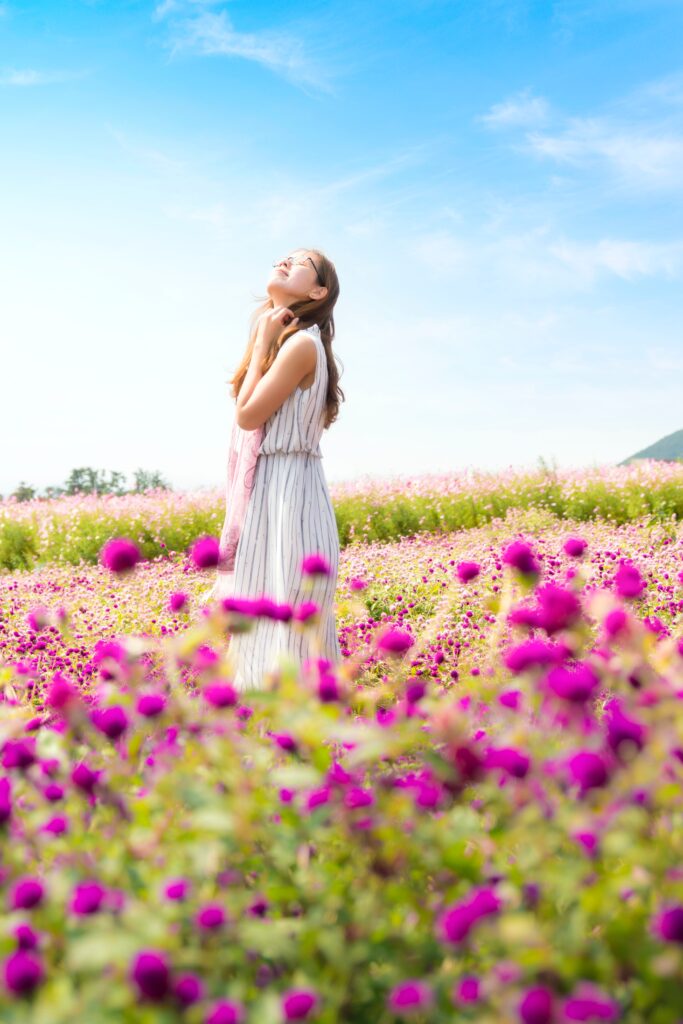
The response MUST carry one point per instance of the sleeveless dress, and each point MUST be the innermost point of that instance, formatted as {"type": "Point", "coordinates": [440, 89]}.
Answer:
{"type": "Point", "coordinates": [289, 515]}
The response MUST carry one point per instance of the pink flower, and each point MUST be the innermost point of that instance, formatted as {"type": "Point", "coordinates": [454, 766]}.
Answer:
{"type": "Point", "coordinates": [574, 682]}
{"type": "Point", "coordinates": [23, 972]}
{"type": "Point", "coordinates": [458, 920]}
{"type": "Point", "coordinates": [628, 581]}
{"type": "Point", "coordinates": [298, 1004]}
{"type": "Point", "coordinates": [150, 705]}
{"type": "Point", "coordinates": [466, 991]}
{"type": "Point", "coordinates": [588, 770]}
{"type": "Point", "coordinates": [315, 565]}
{"type": "Point", "coordinates": [220, 695]}
{"type": "Point", "coordinates": [151, 974]}
{"type": "Point", "coordinates": [668, 924]}
{"type": "Point", "coordinates": [533, 653]}
{"type": "Point", "coordinates": [395, 641]}
{"type": "Point", "coordinates": [177, 601]}
{"type": "Point", "coordinates": [575, 546]}
{"type": "Point", "coordinates": [27, 893]}
{"type": "Point", "coordinates": [409, 997]}
{"type": "Point", "coordinates": [536, 1006]}
{"type": "Point", "coordinates": [226, 1012]}
{"type": "Point", "coordinates": [467, 571]}
{"type": "Point", "coordinates": [205, 552]}
{"type": "Point", "coordinates": [520, 556]}
{"type": "Point", "coordinates": [120, 555]}
{"type": "Point", "coordinates": [588, 1003]}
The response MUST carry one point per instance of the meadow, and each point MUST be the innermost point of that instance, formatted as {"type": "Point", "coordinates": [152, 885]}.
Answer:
{"type": "Point", "coordinates": [476, 816]}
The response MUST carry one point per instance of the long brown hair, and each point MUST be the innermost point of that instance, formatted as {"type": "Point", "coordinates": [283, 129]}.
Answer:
{"type": "Point", "coordinates": [309, 311]}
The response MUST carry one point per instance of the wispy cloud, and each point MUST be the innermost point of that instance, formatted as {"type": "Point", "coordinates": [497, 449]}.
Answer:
{"type": "Point", "coordinates": [624, 258]}
{"type": "Point", "coordinates": [638, 144]}
{"type": "Point", "coordinates": [146, 154]}
{"type": "Point", "coordinates": [31, 76]}
{"type": "Point", "coordinates": [521, 110]}
{"type": "Point", "coordinates": [194, 27]}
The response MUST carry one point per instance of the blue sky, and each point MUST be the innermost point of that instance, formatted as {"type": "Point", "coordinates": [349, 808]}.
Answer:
{"type": "Point", "coordinates": [499, 184]}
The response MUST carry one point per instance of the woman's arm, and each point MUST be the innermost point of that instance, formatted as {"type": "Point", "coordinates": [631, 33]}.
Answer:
{"type": "Point", "coordinates": [262, 395]}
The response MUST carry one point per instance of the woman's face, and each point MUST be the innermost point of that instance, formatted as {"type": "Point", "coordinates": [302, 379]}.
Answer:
{"type": "Point", "coordinates": [294, 278]}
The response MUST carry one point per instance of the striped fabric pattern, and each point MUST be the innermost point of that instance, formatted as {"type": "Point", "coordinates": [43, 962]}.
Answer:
{"type": "Point", "coordinates": [290, 515]}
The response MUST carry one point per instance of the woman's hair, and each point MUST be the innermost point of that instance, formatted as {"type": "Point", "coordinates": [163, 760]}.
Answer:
{"type": "Point", "coordinates": [309, 311]}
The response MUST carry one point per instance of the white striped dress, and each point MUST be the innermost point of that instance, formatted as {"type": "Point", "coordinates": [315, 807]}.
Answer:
{"type": "Point", "coordinates": [290, 515]}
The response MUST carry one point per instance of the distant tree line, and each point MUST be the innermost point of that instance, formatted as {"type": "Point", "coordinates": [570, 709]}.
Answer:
{"type": "Point", "coordinates": [93, 481]}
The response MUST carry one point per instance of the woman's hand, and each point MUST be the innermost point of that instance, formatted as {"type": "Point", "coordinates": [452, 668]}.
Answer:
{"type": "Point", "coordinates": [270, 325]}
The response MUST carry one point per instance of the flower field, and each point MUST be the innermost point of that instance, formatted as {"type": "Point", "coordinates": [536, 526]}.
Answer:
{"type": "Point", "coordinates": [475, 817]}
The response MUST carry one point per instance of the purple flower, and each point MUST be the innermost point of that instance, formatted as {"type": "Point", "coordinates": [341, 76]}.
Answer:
{"type": "Point", "coordinates": [467, 571]}
{"type": "Point", "coordinates": [298, 1004]}
{"type": "Point", "coordinates": [151, 975]}
{"type": "Point", "coordinates": [575, 546]}
{"type": "Point", "coordinates": [315, 565]}
{"type": "Point", "coordinates": [176, 889]}
{"type": "Point", "coordinates": [558, 608]}
{"type": "Point", "coordinates": [536, 1006]}
{"type": "Point", "coordinates": [205, 552]}
{"type": "Point", "coordinates": [26, 937]}
{"type": "Point", "coordinates": [56, 826]}
{"type": "Point", "coordinates": [285, 741]}
{"type": "Point", "coordinates": [317, 797]}
{"type": "Point", "coordinates": [616, 622]}
{"type": "Point", "coordinates": [628, 581]}
{"type": "Point", "coordinates": [466, 991]}
{"type": "Point", "coordinates": [533, 653]}
{"type": "Point", "coordinates": [588, 770]}
{"type": "Point", "coordinates": [509, 760]}
{"type": "Point", "coordinates": [188, 989]}
{"type": "Point", "coordinates": [305, 611]}
{"type": "Point", "coordinates": [61, 693]}
{"type": "Point", "coordinates": [27, 893]}
{"type": "Point", "coordinates": [356, 796]}
{"type": "Point", "coordinates": [84, 777]}
{"type": "Point", "coordinates": [395, 641]}
{"type": "Point", "coordinates": [119, 555]}
{"type": "Point", "coordinates": [19, 753]}
{"type": "Point", "coordinates": [621, 728]}
{"type": "Point", "coordinates": [328, 689]}
{"type": "Point", "coordinates": [150, 705]}
{"type": "Point", "coordinates": [409, 996]}
{"type": "Point", "coordinates": [669, 924]}
{"type": "Point", "coordinates": [23, 971]}
{"type": "Point", "coordinates": [225, 1012]}
{"type": "Point", "coordinates": [574, 682]}
{"type": "Point", "coordinates": [111, 721]}
{"type": "Point", "coordinates": [220, 695]}
{"type": "Point", "coordinates": [177, 601]}
{"type": "Point", "coordinates": [457, 921]}
{"type": "Point", "coordinates": [588, 1003]}
{"type": "Point", "coordinates": [87, 898]}
{"type": "Point", "coordinates": [211, 917]}
{"type": "Point", "coordinates": [5, 799]}
{"type": "Point", "coordinates": [520, 556]}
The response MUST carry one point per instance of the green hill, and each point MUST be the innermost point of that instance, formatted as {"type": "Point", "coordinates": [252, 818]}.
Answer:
{"type": "Point", "coordinates": [667, 449]}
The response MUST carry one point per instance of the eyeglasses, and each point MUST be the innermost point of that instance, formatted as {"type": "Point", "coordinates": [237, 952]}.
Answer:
{"type": "Point", "coordinates": [290, 261]}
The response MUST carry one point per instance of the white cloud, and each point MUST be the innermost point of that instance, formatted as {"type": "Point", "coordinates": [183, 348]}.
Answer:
{"type": "Point", "coordinates": [146, 154]}
{"type": "Point", "coordinates": [639, 155]}
{"type": "Point", "coordinates": [197, 30]}
{"type": "Point", "coordinates": [521, 110]}
{"type": "Point", "coordinates": [30, 76]}
{"type": "Point", "coordinates": [623, 258]}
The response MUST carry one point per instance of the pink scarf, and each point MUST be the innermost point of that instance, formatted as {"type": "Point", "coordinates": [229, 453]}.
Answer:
{"type": "Point", "coordinates": [242, 457]}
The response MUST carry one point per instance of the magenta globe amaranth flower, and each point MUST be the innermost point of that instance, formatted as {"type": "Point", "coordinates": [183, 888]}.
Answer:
{"type": "Point", "coordinates": [20, 754]}
{"type": "Point", "coordinates": [177, 601]}
{"type": "Point", "coordinates": [467, 571]}
{"type": "Point", "coordinates": [315, 565]}
{"type": "Point", "coordinates": [188, 989]}
{"type": "Point", "coordinates": [83, 777]}
{"type": "Point", "coordinates": [211, 917]}
{"type": "Point", "coordinates": [668, 924]}
{"type": "Point", "coordinates": [27, 893]}
{"type": "Point", "coordinates": [510, 760]}
{"type": "Point", "coordinates": [225, 1012]}
{"type": "Point", "coordinates": [87, 898]}
{"type": "Point", "coordinates": [588, 1003]}
{"type": "Point", "coordinates": [409, 997]}
{"type": "Point", "coordinates": [298, 1004]}
{"type": "Point", "coordinates": [622, 732]}
{"type": "Point", "coordinates": [466, 992]}
{"type": "Point", "coordinates": [111, 721]}
{"type": "Point", "coordinates": [395, 641]}
{"type": "Point", "coordinates": [575, 546]}
{"type": "Point", "coordinates": [628, 581]}
{"type": "Point", "coordinates": [534, 653]}
{"type": "Point", "coordinates": [151, 975]}
{"type": "Point", "coordinates": [576, 682]}
{"type": "Point", "coordinates": [205, 552]}
{"type": "Point", "coordinates": [150, 705]}
{"type": "Point", "coordinates": [120, 555]}
{"type": "Point", "coordinates": [520, 556]}
{"type": "Point", "coordinates": [536, 1006]}
{"type": "Point", "coordinates": [588, 770]}
{"type": "Point", "coordinates": [26, 937]}
{"type": "Point", "coordinates": [23, 971]}
{"type": "Point", "coordinates": [458, 920]}
{"type": "Point", "coordinates": [558, 608]}
{"type": "Point", "coordinates": [220, 694]}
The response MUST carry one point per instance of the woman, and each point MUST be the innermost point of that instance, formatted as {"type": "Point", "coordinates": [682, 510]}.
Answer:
{"type": "Point", "coordinates": [278, 504]}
